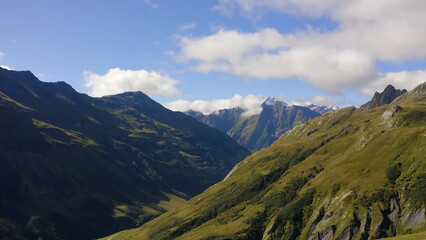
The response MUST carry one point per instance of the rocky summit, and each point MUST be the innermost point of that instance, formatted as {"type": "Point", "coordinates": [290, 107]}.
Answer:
{"type": "Point", "coordinates": [385, 97]}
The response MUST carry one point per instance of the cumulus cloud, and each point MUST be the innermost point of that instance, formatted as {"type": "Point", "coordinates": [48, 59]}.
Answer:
{"type": "Point", "coordinates": [250, 103]}
{"type": "Point", "coordinates": [250, 55]}
{"type": "Point", "coordinates": [301, 102]}
{"type": "Point", "coordinates": [325, 101]}
{"type": "Point", "coordinates": [388, 29]}
{"type": "Point", "coordinates": [117, 81]}
{"type": "Point", "coordinates": [400, 80]}
{"type": "Point", "coordinates": [366, 32]}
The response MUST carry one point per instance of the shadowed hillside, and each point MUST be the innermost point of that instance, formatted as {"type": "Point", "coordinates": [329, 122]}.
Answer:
{"type": "Point", "coordinates": [76, 167]}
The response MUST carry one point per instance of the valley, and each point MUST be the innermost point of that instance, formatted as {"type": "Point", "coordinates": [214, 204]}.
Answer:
{"type": "Point", "coordinates": [351, 174]}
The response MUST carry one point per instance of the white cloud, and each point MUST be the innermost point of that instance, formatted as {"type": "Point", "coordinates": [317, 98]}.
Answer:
{"type": "Point", "coordinates": [325, 101]}
{"type": "Point", "coordinates": [300, 102]}
{"type": "Point", "coordinates": [400, 80]}
{"type": "Point", "coordinates": [152, 4]}
{"type": "Point", "coordinates": [391, 30]}
{"type": "Point", "coordinates": [318, 100]}
{"type": "Point", "coordinates": [367, 31]}
{"type": "Point", "coordinates": [268, 54]}
{"type": "Point", "coordinates": [187, 26]}
{"type": "Point", "coordinates": [6, 67]}
{"type": "Point", "coordinates": [250, 103]}
{"type": "Point", "coordinates": [2, 54]}
{"type": "Point", "coordinates": [117, 81]}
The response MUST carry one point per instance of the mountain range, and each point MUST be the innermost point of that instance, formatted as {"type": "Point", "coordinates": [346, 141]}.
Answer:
{"type": "Point", "coordinates": [260, 130]}
{"type": "Point", "coordinates": [350, 174]}
{"type": "Point", "coordinates": [77, 167]}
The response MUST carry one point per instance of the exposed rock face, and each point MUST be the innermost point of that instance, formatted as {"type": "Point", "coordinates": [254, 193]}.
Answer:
{"type": "Point", "coordinates": [326, 234]}
{"type": "Point", "coordinates": [413, 218]}
{"type": "Point", "coordinates": [393, 215]}
{"type": "Point", "coordinates": [386, 97]}
{"type": "Point", "coordinates": [261, 130]}
{"type": "Point", "coordinates": [223, 120]}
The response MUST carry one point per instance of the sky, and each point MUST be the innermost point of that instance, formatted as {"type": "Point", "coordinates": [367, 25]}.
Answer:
{"type": "Point", "coordinates": [211, 54]}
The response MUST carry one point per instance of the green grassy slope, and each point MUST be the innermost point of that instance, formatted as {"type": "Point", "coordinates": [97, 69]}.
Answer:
{"type": "Point", "coordinates": [350, 174]}
{"type": "Point", "coordinates": [415, 236]}
{"type": "Point", "coordinates": [76, 167]}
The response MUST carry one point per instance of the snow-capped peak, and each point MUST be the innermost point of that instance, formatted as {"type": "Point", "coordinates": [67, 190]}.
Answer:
{"type": "Point", "coordinates": [322, 109]}
{"type": "Point", "coordinates": [274, 101]}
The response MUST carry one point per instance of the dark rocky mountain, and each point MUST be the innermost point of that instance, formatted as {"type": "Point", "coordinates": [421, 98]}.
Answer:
{"type": "Point", "coordinates": [385, 97]}
{"type": "Point", "coordinates": [258, 131]}
{"type": "Point", "coordinates": [347, 175]}
{"type": "Point", "coordinates": [77, 167]}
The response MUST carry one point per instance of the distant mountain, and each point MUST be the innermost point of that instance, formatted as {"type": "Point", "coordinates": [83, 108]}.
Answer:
{"type": "Point", "coordinates": [322, 109]}
{"type": "Point", "coordinates": [258, 131]}
{"type": "Point", "coordinates": [76, 167]}
{"type": "Point", "coordinates": [348, 175]}
{"type": "Point", "coordinates": [385, 97]}
{"type": "Point", "coordinates": [222, 120]}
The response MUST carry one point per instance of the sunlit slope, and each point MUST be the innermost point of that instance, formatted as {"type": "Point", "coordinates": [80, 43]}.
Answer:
{"type": "Point", "coordinates": [350, 174]}
{"type": "Point", "coordinates": [415, 236]}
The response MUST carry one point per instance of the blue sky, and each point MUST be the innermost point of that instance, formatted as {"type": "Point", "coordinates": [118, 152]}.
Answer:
{"type": "Point", "coordinates": [179, 52]}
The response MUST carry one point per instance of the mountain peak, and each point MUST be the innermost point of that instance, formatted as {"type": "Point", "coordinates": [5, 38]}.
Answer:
{"type": "Point", "coordinates": [273, 102]}
{"type": "Point", "coordinates": [19, 75]}
{"type": "Point", "coordinates": [322, 109]}
{"type": "Point", "coordinates": [385, 97]}
{"type": "Point", "coordinates": [135, 94]}
{"type": "Point", "coordinates": [389, 87]}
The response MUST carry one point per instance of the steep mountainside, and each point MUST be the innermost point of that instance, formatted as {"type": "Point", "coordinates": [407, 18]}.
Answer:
{"type": "Point", "coordinates": [259, 131]}
{"type": "Point", "coordinates": [222, 120]}
{"type": "Point", "coordinates": [350, 174]}
{"type": "Point", "coordinates": [76, 167]}
{"type": "Point", "coordinates": [385, 97]}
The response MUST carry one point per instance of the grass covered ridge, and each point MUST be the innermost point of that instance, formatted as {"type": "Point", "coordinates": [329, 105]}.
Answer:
{"type": "Point", "coordinates": [348, 173]}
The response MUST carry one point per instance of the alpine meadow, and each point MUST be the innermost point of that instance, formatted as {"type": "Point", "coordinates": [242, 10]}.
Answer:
{"type": "Point", "coordinates": [213, 120]}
